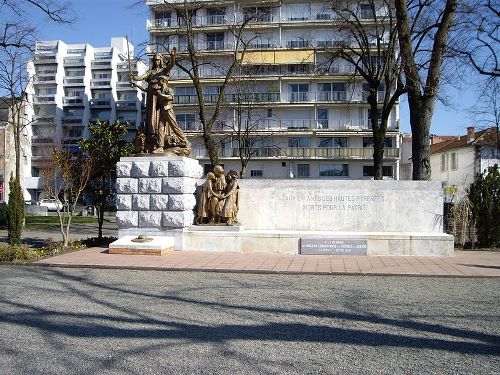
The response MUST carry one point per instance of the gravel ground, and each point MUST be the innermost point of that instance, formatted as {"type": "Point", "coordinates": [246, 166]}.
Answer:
{"type": "Point", "coordinates": [86, 321]}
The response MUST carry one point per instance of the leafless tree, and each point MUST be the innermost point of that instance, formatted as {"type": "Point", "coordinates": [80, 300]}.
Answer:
{"type": "Point", "coordinates": [249, 130]}
{"type": "Point", "coordinates": [13, 83]}
{"type": "Point", "coordinates": [370, 45]}
{"type": "Point", "coordinates": [16, 26]}
{"type": "Point", "coordinates": [423, 30]}
{"type": "Point", "coordinates": [480, 39]}
{"type": "Point", "coordinates": [65, 176]}
{"type": "Point", "coordinates": [486, 111]}
{"type": "Point", "coordinates": [193, 62]}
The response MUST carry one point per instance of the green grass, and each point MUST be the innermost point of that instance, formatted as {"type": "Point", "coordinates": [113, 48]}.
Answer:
{"type": "Point", "coordinates": [51, 222]}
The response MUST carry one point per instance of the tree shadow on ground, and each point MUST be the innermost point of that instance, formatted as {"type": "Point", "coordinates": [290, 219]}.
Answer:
{"type": "Point", "coordinates": [298, 325]}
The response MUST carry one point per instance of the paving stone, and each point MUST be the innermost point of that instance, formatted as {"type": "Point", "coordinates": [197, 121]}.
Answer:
{"type": "Point", "coordinates": [181, 202]}
{"type": "Point", "coordinates": [150, 185]}
{"type": "Point", "coordinates": [140, 202]}
{"type": "Point", "coordinates": [123, 169]}
{"type": "Point", "coordinates": [140, 169]}
{"type": "Point", "coordinates": [159, 168]}
{"type": "Point", "coordinates": [127, 219]}
{"type": "Point", "coordinates": [124, 202]}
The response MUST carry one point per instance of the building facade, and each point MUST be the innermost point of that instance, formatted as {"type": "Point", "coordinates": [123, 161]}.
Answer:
{"type": "Point", "coordinates": [305, 114]}
{"type": "Point", "coordinates": [73, 85]}
{"type": "Point", "coordinates": [456, 161]}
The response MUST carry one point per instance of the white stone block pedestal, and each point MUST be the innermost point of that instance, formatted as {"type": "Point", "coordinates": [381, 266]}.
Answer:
{"type": "Point", "coordinates": [155, 194]}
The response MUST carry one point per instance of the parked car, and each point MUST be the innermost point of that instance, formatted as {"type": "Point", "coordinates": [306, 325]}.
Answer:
{"type": "Point", "coordinates": [51, 204]}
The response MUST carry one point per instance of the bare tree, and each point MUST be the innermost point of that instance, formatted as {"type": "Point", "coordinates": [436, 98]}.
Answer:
{"type": "Point", "coordinates": [65, 176]}
{"type": "Point", "coordinates": [192, 62]}
{"type": "Point", "coordinates": [486, 111]}
{"type": "Point", "coordinates": [13, 83]}
{"type": "Point", "coordinates": [480, 41]}
{"type": "Point", "coordinates": [248, 130]}
{"type": "Point", "coordinates": [370, 45]}
{"type": "Point", "coordinates": [423, 30]}
{"type": "Point", "coordinates": [18, 30]}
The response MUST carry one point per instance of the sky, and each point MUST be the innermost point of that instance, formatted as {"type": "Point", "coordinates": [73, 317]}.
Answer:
{"type": "Point", "coordinates": [99, 20]}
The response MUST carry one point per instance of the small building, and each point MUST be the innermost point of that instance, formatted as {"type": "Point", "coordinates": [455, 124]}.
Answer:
{"type": "Point", "coordinates": [12, 113]}
{"type": "Point", "coordinates": [457, 160]}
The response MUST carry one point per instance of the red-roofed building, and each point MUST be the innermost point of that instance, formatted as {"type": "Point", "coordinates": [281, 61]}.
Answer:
{"type": "Point", "coordinates": [457, 160]}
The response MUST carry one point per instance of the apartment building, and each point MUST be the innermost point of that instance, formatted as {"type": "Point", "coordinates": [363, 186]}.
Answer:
{"type": "Point", "coordinates": [307, 114]}
{"type": "Point", "coordinates": [73, 85]}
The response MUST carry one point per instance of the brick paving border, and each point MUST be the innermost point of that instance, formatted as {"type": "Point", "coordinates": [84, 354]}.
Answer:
{"type": "Point", "coordinates": [463, 264]}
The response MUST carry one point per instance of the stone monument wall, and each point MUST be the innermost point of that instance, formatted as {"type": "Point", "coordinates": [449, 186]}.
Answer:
{"type": "Point", "coordinates": [347, 205]}
{"type": "Point", "coordinates": [156, 192]}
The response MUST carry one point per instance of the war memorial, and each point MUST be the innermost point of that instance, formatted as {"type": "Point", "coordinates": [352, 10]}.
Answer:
{"type": "Point", "coordinates": [165, 204]}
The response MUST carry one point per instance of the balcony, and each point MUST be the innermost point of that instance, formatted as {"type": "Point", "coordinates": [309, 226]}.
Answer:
{"type": "Point", "coordinates": [125, 86]}
{"type": "Point", "coordinates": [44, 99]}
{"type": "Point", "coordinates": [299, 44]}
{"type": "Point", "coordinates": [100, 103]}
{"type": "Point", "coordinates": [341, 153]}
{"type": "Point", "coordinates": [73, 81]}
{"type": "Point", "coordinates": [331, 96]}
{"type": "Point", "coordinates": [71, 61]}
{"type": "Point", "coordinates": [124, 67]}
{"type": "Point", "coordinates": [44, 80]}
{"type": "Point", "coordinates": [43, 140]}
{"type": "Point", "coordinates": [100, 83]}
{"type": "Point", "coordinates": [73, 100]}
{"type": "Point", "coordinates": [300, 97]}
{"type": "Point", "coordinates": [44, 59]}
{"type": "Point", "coordinates": [100, 64]}
{"type": "Point", "coordinates": [43, 120]}
{"type": "Point", "coordinates": [126, 104]}
{"type": "Point", "coordinates": [263, 97]}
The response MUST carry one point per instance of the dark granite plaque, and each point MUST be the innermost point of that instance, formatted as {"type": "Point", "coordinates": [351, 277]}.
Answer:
{"type": "Point", "coordinates": [333, 246]}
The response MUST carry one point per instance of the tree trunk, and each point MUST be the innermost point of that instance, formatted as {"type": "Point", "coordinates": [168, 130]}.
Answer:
{"type": "Point", "coordinates": [100, 218]}
{"type": "Point", "coordinates": [378, 154]}
{"type": "Point", "coordinates": [243, 171]}
{"type": "Point", "coordinates": [420, 120]}
{"type": "Point", "coordinates": [378, 133]}
{"type": "Point", "coordinates": [212, 149]}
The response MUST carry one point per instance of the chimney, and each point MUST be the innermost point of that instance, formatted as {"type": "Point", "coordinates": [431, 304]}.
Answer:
{"type": "Point", "coordinates": [471, 134]}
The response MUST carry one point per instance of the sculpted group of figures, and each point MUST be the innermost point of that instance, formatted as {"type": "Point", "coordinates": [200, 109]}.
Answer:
{"type": "Point", "coordinates": [218, 201]}
{"type": "Point", "coordinates": [162, 134]}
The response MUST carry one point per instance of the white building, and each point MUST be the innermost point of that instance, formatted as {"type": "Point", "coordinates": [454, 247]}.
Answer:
{"type": "Point", "coordinates": [457, 160]}
{"type": "Point", "coordinates": [310, 120]}
{"type": "Point", "coordinates": [72, 85]}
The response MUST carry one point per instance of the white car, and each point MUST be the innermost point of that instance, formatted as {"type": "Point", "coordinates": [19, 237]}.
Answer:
{"type": "Point", "coordinates": [51, 204]}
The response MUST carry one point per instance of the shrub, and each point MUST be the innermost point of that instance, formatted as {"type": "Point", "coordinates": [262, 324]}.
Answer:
{"type": "Point", "coordinates": [96, 241]}
{"type": "Point", "coordinates": [11, 253]}
{"type": "Point", "coordinates": [16, 211]}
{"type": "Point", "coordinates": [4, 216]}
{"type": "Point", "coordinates": [484, 195]}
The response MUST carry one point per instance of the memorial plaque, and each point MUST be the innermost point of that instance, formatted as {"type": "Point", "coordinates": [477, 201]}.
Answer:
{"type": "Point", "coordinates": [333, 246]}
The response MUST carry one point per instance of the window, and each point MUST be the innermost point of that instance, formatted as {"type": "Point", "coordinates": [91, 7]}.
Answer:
{"type": "Point", "coordinates": [444, 162]}
{"type": "Point", "coordinates": [322, 120]}
{"type": "Point", "coordinates": [102, 75]}
{"type": "Point", "coordinates": [369, 171]}
{"type": "Point", "coordinates": [256, 173]}
{"type": "Point", "coordinates": [215, 16]}
{"type": "Point", "coordinates": [299, 92]}
{"type": "Point", "coordinates": [325, 142]}
{"type": "Point", "coordinates": [186, 121]}
{"type": "Point", "coordinates": [182, 43]}
{"type": "Point", "coordinates": [454, 161]}
{"type": "Point", "coordinates": [299, 142]}
{"type": "Point", "coordinates": [258, 14]}
{"type": "Point", "coordinates": [215, 41]}
{"type": "Point", "coordinates": [332, 142]}
{"type": "Point", "coordinates": [211, 93]}
{"type": "Point", "coordinates": [73, 112]}
{"type": "Point", "coordinates": [269, 112]}
{"type": "Point", "coordinates": [74, 132]}
{"type": "Point", "coordinates": [379, 117]}
{"type": "Point", "coordinates": [163, 19]}
{"type": "Point", "coordinates": [302, 170]}
{"type": "Point", "coordinates": [332, 91]}
{"type": "Point", "coordinates": [368, 142]}
{"type": "Point", "coordinates": [365, 11]}
{"type": "Point", "coordinates": [333, 170]}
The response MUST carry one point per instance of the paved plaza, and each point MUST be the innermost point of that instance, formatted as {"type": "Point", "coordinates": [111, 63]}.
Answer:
{"type": "Point", "coordinates": [105, 321]}
{"type": "Point", "coordinates": [464, 263]}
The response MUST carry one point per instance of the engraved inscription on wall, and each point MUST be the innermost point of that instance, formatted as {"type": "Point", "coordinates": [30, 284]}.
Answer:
{"type": "Point", "coordinates": [333, 246]}
{"type": "Point", "coordinates": [330, 202]}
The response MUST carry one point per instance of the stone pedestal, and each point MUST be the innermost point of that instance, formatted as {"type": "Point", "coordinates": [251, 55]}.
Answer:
{"type": "Point", "coordinates": [157, 246]}
{"type": "Point", "coordinates": [155, 193]}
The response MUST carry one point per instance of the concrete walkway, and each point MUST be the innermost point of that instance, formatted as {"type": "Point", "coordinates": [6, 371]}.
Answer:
{"type": "Point", "coordinates": [463, 264]}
